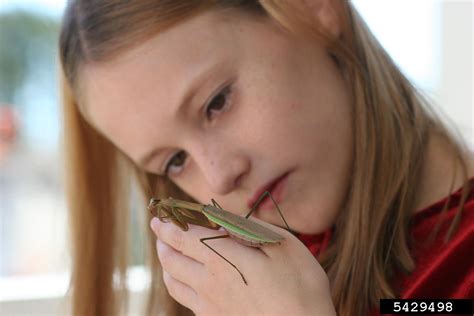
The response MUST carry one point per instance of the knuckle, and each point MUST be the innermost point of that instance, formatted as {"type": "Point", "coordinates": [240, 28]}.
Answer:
{"type": "Point", "coordinates": [214, 261]}
{"type": "Point", "coordinates": [210, 257]}
{"type": "Point", "coordinates": [176, 239]}
{"type": "Point", "coordinates": [164, 254]}
{"type": "Point", "coordinates": [170, 284]}
{"type": "Point", "coordinates": [205, 254]}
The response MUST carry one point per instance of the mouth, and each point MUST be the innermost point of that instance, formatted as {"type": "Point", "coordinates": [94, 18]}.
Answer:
{"type": "Point", "coordinates": [275, 187]}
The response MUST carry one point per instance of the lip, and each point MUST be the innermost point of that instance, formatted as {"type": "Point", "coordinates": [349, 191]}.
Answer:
{"type": "Point", "coordinates": [275, 187]}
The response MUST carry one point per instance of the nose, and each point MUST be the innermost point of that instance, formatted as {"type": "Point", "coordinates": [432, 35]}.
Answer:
{"type": "Point", "coordinates": [223, 167]}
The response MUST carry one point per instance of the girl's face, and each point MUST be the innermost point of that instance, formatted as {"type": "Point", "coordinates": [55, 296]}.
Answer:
{"type": "Point", "coordinates": [228, 105]}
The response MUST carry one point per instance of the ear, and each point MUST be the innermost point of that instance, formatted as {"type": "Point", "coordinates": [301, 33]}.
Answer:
{"type": "Point", "coordinates": [325, 13]}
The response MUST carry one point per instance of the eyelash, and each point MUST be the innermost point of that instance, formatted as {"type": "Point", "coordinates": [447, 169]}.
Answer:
{"type": "Point", "coordinates": [177, 155]}
{"type": "Point", "coordinates": [225, 92]}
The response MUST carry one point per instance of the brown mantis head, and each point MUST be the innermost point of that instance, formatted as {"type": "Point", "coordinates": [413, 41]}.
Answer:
{"type": "Point", "coordinates": [181, 213]}
{"type": "Point", "coordinates": [152, 206]}
{"type": "Point", "coordinates": [163, 212]}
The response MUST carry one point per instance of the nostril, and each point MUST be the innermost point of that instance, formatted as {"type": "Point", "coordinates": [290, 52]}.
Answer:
{"type": "Point", "coordinates": [244, 172]}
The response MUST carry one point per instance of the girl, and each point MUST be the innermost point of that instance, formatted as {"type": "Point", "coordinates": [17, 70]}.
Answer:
{"type": "Point", "coordinates": [227, 99]}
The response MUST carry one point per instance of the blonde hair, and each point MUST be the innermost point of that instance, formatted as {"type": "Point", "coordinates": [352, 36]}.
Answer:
{"type": "Point", "coordinates": [392, 124]}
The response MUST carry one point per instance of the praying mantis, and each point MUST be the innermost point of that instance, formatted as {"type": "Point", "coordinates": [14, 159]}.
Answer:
{"type": "Point", "coordinates": [242, 229]}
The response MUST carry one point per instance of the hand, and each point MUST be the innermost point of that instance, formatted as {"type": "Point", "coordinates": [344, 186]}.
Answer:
{"type": "Point", "coordinates": [283, 279]}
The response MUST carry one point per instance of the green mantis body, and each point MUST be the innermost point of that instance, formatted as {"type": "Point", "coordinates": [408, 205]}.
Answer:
{"type": "Point", "coordinates": [242, 229]}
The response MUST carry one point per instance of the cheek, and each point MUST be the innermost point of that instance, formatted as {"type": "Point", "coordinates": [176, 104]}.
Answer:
{"type": "Point", "coordinates": [195, 186]}
{"type": "Point", "coordinates": [294, 106]}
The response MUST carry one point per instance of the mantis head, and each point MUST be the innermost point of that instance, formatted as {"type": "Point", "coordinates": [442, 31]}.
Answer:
{"type": "Point", "coordinates": [152, 205]}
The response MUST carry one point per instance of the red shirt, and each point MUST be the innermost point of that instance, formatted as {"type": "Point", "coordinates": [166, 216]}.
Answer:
{"type": "Point", "coordinates": [442, 270]}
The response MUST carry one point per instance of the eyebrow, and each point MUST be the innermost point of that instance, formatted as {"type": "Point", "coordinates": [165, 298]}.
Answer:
{"type": "Point", "coordinates": [195, 84]}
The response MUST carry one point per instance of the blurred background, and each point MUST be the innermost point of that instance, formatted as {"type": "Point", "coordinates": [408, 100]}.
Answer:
{"type": "Point", "coordinates": [430, 40]}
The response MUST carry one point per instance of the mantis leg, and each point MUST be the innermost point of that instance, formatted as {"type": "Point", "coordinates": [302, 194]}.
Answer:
{"type": "Point", "coordinates": [260, 199]}
{"type": "Point", "coordinates": [214, 202]}
{"type": "Point", "coordinates": [178, 219]}
{"type": "Point", "coordinates": [162, 214]}
{"type": "Point", "coordinates": [219, 237]}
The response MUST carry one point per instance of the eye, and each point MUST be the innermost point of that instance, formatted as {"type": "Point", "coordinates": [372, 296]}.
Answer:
{"type": "Point", "coordinates": [176, 162]}
{"type": "Point", "coordinates": [218, 103]}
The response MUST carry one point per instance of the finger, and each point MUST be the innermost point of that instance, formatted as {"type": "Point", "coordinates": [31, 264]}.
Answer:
{"type": "Point", "coordinates": [195, 274]}
{"type": "Point", "coordinates": [272, 249]}
{"type": "Point", "coordinates": [179, 266]}
{"type": "Point", "coordinates": [188, 242]}
{"type": "Point", "coordinates": [182, 293]}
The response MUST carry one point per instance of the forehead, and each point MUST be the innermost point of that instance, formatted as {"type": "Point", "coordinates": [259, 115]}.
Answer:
{"type": "Point", "coordinates": [177, 49]}
{"type": "Point", "coordinates": [132, 99]}
{"type": "Point", "coordinates": [152, 77]}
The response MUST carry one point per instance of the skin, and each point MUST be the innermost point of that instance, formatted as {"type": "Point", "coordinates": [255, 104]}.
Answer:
{"type": "Point", "coordinates": [288, 110]}
{"type": "Point", "coordinates": [232, 155]}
